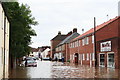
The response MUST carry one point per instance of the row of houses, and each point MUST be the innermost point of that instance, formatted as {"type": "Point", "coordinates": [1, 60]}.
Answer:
{"type": "Point", "coordinates": [99, 46]}
{"type": "Point", "coordinates": [4, 44]}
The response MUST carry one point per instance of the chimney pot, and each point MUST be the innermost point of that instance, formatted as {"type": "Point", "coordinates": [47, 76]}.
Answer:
{"type": "Point", "coordinates": [74, 30]}
{"type": "Point", "coordinates": [59, 33]}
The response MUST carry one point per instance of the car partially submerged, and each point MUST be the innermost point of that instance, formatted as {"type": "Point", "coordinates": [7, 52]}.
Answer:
{"type": "Point", "coordinates": [30, 63]}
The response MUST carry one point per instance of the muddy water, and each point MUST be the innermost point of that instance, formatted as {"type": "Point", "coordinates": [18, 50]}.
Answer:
{"type": "Point", "coordinates": [47, 69]}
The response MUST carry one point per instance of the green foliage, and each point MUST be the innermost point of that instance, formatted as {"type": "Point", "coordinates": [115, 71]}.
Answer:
{"type": "Point", "coordinates": [21, 20]}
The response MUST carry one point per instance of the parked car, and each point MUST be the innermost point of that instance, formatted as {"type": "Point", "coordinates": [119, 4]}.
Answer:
{"type": "Point", "coordinates": [31, 63]}
{"type": "Point", "coordinates": [47, 58]}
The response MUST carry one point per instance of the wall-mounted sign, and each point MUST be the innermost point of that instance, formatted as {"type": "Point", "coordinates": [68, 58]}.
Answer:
{"type": "Point", "coordinates": [105, 46]}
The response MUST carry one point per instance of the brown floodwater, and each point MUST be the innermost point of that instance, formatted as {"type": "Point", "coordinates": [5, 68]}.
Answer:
{"type": "Point", "coordinates": [48, 69]}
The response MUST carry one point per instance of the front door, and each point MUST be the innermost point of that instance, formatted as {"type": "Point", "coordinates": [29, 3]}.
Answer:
{"type": "Point", "coordinates": [76, 58]}
{"type": "Point", "coordinates": [102, 60]}
{"type": "Point", "coordinates": [111, 60]}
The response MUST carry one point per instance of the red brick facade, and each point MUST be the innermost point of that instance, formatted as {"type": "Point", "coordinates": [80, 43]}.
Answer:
{"type": "Point", "coordinates": [81, 49]}
{"type": "Point", "coordinates": [84, 52]}
{"type": "Point", "coordinates": [107, 32]}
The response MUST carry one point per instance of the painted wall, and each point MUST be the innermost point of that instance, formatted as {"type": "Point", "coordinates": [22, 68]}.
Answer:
{"type": "Point", "coordinates": [2, 47]}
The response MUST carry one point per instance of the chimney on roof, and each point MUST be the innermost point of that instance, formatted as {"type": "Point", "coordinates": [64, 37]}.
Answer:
{"type": "Point", "coordinates": [119, 8]}
{"type": "Point", "coordinates": [59, 33]}
{"type": "Point", "coordinates": [74, 30]}
{"type": "Point", "coordinates": [69, 33]}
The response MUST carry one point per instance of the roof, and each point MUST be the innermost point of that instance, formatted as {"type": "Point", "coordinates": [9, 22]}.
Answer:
{"type": "Point", "coordinates": [69, 38]}
{"type": "Point", "coordinates": [97, 28]}
{"type": "Point", "coordinates": [59, 37]}
{"type": "Point", "coordinates": [34, 49]}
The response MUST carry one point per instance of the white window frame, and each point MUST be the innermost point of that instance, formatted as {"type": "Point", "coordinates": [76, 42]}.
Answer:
{"type": "Point", "coordinates": [83, 42]}
{"type": "Point", "coordinates": [73, 45]}
{"type": "Point", "coordinates": [92, 38]}
{"type": "Point", "coordinates": [83, 56]}
{"type": "Point", "coordinates": [87, 56]}
{"type": "Point", "coordinates": [87, 40]}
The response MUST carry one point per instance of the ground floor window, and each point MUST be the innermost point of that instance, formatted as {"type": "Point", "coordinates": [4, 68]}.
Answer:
{"type": "Point", "coordinates": [83, 56]}
{"type": "Point", "coordinates": [110, 60]}
{"type": "Point", "coordinates": [102, 60]}
{"type": "Point", "coordinates": [87, 56]}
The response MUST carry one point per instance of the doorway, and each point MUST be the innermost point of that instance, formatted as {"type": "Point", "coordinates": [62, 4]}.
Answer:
{"type": "Point", "coordinates": [76, 57]}
{"type": "Point", "coordinates": [102, 60]}
{"type": "Point", "coordinates": [110, 60]}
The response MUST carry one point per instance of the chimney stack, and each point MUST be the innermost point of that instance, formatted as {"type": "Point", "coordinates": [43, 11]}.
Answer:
{"type": "Point", "coordinates": [119, 8]}
{"type": "Point", "coordinates": [74, 30]}
{"type": "Point", "coordinates": [69, 33]}
{"type": "Point", "coordinates": [59, 32]}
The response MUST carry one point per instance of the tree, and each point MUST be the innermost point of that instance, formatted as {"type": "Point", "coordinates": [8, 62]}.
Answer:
{"type": "Point", "coordinates": [21, 20]}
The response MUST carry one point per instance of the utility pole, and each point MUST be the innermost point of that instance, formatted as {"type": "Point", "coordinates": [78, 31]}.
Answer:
{"type": "Point", "coordinates": [95, 42]}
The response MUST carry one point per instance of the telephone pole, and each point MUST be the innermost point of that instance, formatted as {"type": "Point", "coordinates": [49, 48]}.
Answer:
{"type": "Point", "coordinates": [95, 42]}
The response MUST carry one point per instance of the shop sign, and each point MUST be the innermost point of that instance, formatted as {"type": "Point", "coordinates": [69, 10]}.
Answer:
{"type": "Point", "coordinates": [105, 46]}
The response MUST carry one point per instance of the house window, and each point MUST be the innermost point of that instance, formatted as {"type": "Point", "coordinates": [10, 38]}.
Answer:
{"type": "Point", "coordinates": [83, 56]}
{"type": "Point", "coordinates": [69, 45]}
{"type": "Point", "coordinates": [73, 57]}
{"type": "Point", "coordinates": [83, 42]}
{"type": "Point", "coordinates": [92, 38]}
{"type": "Point", "coordinates": [87, 56]}
{"type": "Point", "coordinates": [73, 44]}
{"type": "Point", "coordinates": [63, 47]}
{"type": "Point", "coordinates": [79, 43]}
{"type": "Point", "coordinates": [87, 40]}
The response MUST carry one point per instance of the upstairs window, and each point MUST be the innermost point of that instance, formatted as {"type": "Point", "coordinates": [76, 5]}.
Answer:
{"type": "Point", "coordinates": [92, 38]}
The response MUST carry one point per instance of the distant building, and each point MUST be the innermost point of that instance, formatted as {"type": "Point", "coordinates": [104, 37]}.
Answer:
{"type": "Point", "coordinates": [34, 52]}
{"type": "Point", "coordinates": [62, 49]}
{"type": "Point", "coordinates": [55, 41]}
{"type": "Point", "coordinates": [4, 44]}
{"type": "Point", "coordinates": [45, 53]}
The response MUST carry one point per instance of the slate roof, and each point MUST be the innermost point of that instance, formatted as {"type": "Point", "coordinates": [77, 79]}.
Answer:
{"type": "Point", "coordinates": [69, 38]}
{"type": "Point", "coordinates": [97, 28]}
{"type": "Point", "coordinates": [59, 37]}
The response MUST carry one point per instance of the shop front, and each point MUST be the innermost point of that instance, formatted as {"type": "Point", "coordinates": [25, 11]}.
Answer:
{"type": "Point", "coordinates": [106, 55]}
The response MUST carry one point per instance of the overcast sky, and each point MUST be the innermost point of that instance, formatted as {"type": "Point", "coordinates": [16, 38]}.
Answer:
{"type": "Point", "coordinates": [64, 15]}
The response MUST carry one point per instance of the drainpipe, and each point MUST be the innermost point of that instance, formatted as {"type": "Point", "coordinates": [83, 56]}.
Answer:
{"type": "Point", "coordinates": [4, 47]}
{"type": "Point", "coordinates": [95, 42]}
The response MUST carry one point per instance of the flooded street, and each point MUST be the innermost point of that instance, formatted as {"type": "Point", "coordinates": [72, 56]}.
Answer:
{"type": "Point", "coordinates": [47, 69]}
